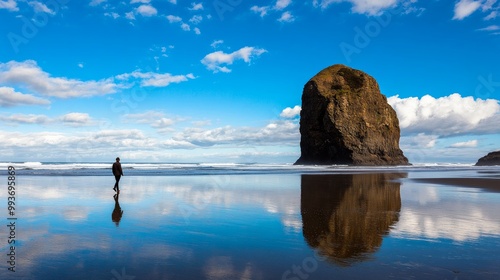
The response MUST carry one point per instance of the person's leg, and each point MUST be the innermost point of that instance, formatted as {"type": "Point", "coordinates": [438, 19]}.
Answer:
{"type": "Point", "coordinates": [117, 181]}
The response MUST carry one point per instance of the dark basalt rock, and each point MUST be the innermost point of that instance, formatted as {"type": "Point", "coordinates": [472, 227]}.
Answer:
{"type": "Point", "coordinates": [346, 120]}
{"type": "Point", "coordinates": [490, 159]}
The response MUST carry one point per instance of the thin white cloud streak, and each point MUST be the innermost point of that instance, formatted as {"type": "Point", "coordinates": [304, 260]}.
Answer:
{"type": "Point", "coordinates": [465, 8]}
{"type": "Point", "coordinates": [39, 7]}
{"type": "Point", "coordinates": [446, 116]}
{"type": "Point", "coordinates": [72, 119]}
{"type": "Point", "coordinates": [216, 43]}
{"type": "Point", "coordinates": [29, 75]}
{"type": "Point", "coordinates": [173, 19]}
{"type": "Point", "coordinates": [490, 28]}
{"type": "Point", "coordinates": [218, 61]}
{"type": "Point", "coordinates": [151, 79]}
{"type": "Point", "coordinates": [467, 144]}
{"type": "Point", "coordinates": [492, 15]}
{"type": "Point", "coordinates": [10, 98]}
{"type": "Point", "coordinates": [25, 119]}
{"type": "Point", "coordinates": [94, 3]}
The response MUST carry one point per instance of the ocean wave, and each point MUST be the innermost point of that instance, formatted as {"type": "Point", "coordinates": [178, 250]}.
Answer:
{"type": "Point", "coordinates": [166, 169]}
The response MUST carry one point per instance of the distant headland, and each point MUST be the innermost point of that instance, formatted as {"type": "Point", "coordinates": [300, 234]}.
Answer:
{"type": "Point", "coordinates": [490, 159]}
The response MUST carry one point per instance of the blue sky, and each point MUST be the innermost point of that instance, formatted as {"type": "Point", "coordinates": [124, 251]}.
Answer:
{"type": "Point", "coordinates": [221, 80]}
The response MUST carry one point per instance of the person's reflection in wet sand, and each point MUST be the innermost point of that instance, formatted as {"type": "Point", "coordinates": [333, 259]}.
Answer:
{"type": "Point", "coordinates": [116, 216]}
{"type": "Point", "coordinates": [346, 216]}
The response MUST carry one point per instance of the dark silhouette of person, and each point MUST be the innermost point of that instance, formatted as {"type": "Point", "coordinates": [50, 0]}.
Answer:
{"type": "Point", "coordinates": [116, 216]}
{"type": "Point", "coordinates": [117, 171]}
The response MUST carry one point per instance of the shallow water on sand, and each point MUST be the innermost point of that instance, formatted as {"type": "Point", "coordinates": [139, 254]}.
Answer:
{"type": "Point", "coordinates": [257, 226]}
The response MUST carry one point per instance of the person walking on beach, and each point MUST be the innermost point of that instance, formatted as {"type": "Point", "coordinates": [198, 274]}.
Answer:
{"type": "Point", "coordinates": [117, 171]}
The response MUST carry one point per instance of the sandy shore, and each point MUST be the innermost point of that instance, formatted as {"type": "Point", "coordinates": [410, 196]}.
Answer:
{"type": "Point", "coordinates": [491, 184]}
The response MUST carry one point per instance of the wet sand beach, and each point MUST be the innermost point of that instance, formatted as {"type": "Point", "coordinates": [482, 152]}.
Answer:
{"type": "Point", "coordinates": [408, 223]}
{"type": "Point", "coordinates": [488, 184]}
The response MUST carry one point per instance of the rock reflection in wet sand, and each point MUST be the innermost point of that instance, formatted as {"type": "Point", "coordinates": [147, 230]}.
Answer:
{"type": "Point", "coordinates": [345, 216]}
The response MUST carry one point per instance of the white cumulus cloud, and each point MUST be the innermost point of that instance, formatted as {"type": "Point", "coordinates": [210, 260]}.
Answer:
{"type": "Point", "coordinates": [218, 61]}
{"type": "Point", "coordinates": [291, 112]}
{"type": "Point", "coordinates": [185, 27]}
{"type": "Point", "coordinates": [446, 116]}
{"type": "Point", "coordinates": [10, 5]}
{"type": "Point", "coordinates": [146, 10]}
{"type": "Point", "coordinates": [282, 4]}
{"type": "Point", "coordinates": [286, 17]}
{"type": "Point", "coordinates": [76, 118]}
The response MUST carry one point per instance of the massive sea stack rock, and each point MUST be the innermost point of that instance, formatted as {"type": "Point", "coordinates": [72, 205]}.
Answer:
{"type": "Point", "coordinates": [346, 120]}
{"type": "Point", "coordinates": [489, 159]}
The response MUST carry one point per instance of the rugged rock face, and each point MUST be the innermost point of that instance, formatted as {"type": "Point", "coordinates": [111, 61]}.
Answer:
{"type": "Point", "coordinates": [490, 159]}
{"type": "Point", "coordinates": [346, 120]}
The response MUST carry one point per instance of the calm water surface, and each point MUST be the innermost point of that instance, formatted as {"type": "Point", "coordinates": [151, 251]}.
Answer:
{"type": "Point", "coordinates": [270, 226]}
